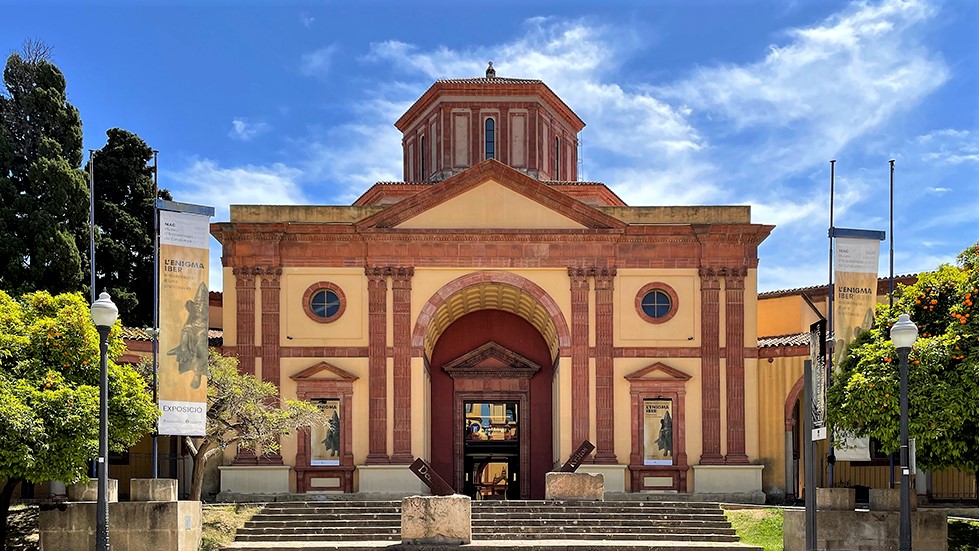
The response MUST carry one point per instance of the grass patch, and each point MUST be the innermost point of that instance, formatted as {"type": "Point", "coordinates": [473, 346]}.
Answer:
{"type": "Point", "coordinates": [219, 523]}
{"type": "Point", "coordinates": [963, 535]}
{"type": "Point", "coordinates": [761, 527]}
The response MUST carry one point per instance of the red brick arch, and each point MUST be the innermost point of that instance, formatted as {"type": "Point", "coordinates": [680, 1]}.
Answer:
{"type": "Point", "coordinates": [479, 278]}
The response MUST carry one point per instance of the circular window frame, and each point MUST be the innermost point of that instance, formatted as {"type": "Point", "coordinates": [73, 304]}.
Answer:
{"type": "Point", "coordinates": [663, 288]}
{"type": "Point", "coordinates": [323, 286]}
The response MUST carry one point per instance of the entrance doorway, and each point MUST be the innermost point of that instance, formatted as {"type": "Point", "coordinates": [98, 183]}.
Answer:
{"type": "Point", "coordinates": [491, 436]}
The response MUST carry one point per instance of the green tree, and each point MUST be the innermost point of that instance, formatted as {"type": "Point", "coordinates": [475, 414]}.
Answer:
{"type": "Point", "coordinates": [244, 412]}
{"type": "Point", "coordinates": [124, 198]}
{"type": "Point", "coordinates": [943, 379]}
{"type": "Point", "coordinates": [43, 192]}
{"type": "Point", "coordinates": [49, 395]}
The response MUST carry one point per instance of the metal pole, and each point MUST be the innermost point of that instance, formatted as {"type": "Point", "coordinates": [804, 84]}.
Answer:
{"type": "Point", "coordinates": [890, 295]}
{"type": "Point", "coordinates": [831, 338]}
{"type": "Point", "coordinates": [905, 532]}
{"type": "Point", "coordinates": [809, 450]}
{"type": "Point", "coordinates": [156, 306]}
{"type": "Point", "coordinates": [91, 219]}
{"type": "Point", "coordinates": [102, 505]}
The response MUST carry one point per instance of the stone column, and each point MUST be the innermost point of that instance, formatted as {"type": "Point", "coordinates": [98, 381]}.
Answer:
{"type": "Point", "coordinates": [245, 348]}
{"type": "Point", "coordinates": [710, 370]}
{"type": "Point", "coordinates": [734, 363]}
{"type": "Point", "coordinates": [401, 316]}
{"type": "Point", "coordinates": [580, 382]}
{"type": "Point", "coordinates": [270, 340]}
{"type": "Point", "coordinates": [245, 316]}
{"type": "Point", "coordinates": [604, 390]}
{"type": "Point", "coordinates": [377, 364]}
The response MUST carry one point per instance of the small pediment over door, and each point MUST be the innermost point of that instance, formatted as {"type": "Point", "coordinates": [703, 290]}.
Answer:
{"type": "Point", "coordinates": [658, 372]}
{"type": "Point", "coordinates": [324, 371]}
{"type": "Point", "coordinates": [491, 361]}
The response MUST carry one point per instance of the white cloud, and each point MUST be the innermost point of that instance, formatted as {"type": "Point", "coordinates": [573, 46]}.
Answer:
{"type": "Point", "coordinates": [317, 63]}
{"type": "Point", "coordinates": [939, 189]}
{"type": "Point", "coordinates": [307, 20]}
{"type": "Point", "coordinates": [949, 146]}
{"type": "Point", "coordinates": [242, 129]}
{"type": "Point", "coordinates": [205, 182]}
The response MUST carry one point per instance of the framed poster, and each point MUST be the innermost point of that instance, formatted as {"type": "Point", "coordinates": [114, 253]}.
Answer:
{"type": "Point", "coordinates": [324, 439]}
{"type": "Point", "coordinates": [657, 431]}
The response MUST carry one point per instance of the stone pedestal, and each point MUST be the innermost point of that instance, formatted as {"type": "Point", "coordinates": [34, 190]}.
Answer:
{"type": "Point", "coordinates": [389, 479]}
{"type": "Point", "coordinates": [836, 499]}
{"type": "Point", "coordinates": [889, 500]}
{"type": "Point", "coordinates": [89, 491]}
{"type": "Point", "coordinates": [133, 526]}
{"type": "Point", "coordinates": [440, 520]}
{"type": "Point", "coordinates": [583, 486]}
{"type": "Point", "coordinates": [152, 489]}
{"type": "Point", "coordinates": [614, 475]}
{"type": "Point", "coordinates": [865, 530]}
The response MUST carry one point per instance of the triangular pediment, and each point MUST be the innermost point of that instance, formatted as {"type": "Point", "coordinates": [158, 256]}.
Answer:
{"type": "Point", "coordinates": [491, 360]}
{"type": "Point", "coordinates": [658, 371]}
{"type": "Point", "coordinates": [491, 195]}
{"type": "Point", "coordinates": [324, 372]}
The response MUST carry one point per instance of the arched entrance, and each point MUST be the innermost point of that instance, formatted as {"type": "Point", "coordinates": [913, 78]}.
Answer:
{"type": "Point", "coordinates": [492, 343]}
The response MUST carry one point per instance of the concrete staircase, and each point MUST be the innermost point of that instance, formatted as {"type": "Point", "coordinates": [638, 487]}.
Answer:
{"type": "Point", "coordinates": [645, 525]}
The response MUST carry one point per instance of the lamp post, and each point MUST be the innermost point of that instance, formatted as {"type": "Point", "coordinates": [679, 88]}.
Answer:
{"type": "Point", "coordinates": [903, 335]}
{"type": "Point", "coordinates": [104, 314]}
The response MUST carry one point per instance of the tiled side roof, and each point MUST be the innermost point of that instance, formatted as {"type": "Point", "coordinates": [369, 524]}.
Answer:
{"type": "Point", "coordinates": [799, 339]}
{"type": "Point", "coordinates": [820, 290]}
{"type": "Point", "coordinates": [215, 337]}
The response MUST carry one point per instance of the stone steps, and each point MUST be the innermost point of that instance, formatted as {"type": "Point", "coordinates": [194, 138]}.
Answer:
{"type": "Point", "coordinates": [635, 524]}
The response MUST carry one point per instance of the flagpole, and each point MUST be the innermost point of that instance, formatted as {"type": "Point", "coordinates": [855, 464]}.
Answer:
{"type": "Point", "coordinates": [91, 220]}
{"type": "Point", "coordinates": [156, 305]}
{"type": "Point", "coordinates": [890, 292]}
{"type": "Point", "coordinates": [831, 339]}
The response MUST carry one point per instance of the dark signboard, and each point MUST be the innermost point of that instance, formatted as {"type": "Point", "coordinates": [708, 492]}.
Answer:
{"type": "Point", "coordinates": [577, 457]}
{"type": "Point", "coordinates": [431, 479]}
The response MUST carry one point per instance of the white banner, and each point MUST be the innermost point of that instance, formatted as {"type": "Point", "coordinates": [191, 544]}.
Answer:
{"type": "Point", "coordinates": [182, 366]}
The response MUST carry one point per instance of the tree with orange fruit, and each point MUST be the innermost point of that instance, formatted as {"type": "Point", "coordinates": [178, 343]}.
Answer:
{"type": "Point", "coordinates": [943, 380]}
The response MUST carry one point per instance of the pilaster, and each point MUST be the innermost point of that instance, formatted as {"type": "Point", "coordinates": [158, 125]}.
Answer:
{"type": "Point", "coordinates": [245, 316]}
{"type": "Point", "coordinates": [270, 277]}
{"type": "Point", "coordinates": [580, 383]}
{"type": "Point", "coordinates": [604, 390]}
{"type": "Point", "coordinates": [710, 367]}
{"type": "Point", "coordinates": [377, 364]}
{"type": "Point", "coordinates": [401, 316]}
{"type": "Point", "coordinates": [734, 364]}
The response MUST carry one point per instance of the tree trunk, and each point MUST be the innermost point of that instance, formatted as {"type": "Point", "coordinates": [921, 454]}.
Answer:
{"type": "Point", "coordinates": [5, 495]}
{"type": "Point", "coordinates": [205, 452]}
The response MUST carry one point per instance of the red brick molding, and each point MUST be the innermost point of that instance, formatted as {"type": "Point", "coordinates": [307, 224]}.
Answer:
{"type": "Point", "coordinates": [658, 381]}
{"type": "Point", "coordinates": [308, 387]}
{"type": "Point", "coordinates": [549, 305]}
{"type": "Point", "coordinates": [657, 286]}
{"type": "Point", "coordinates": [312, 290]}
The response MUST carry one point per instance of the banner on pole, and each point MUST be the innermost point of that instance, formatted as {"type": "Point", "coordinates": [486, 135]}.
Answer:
{"type": "Point", "coordinates": [854, 300]}
{"type": "Point", "coordinates": [183, 323]}
{"type": "Point", "coordinates": [817, 358]}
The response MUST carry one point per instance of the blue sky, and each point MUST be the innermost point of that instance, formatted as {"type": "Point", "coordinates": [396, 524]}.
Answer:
{"type": "Point", "coordinates": [686, 102]}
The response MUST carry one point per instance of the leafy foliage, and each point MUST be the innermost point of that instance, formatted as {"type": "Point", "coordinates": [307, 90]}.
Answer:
{"type": "Point", "coordinates": [245, 412]}
{"type": "Point", "coordinates": [943, 377]}
{"type": "Point", "coordinates": [49, 396]}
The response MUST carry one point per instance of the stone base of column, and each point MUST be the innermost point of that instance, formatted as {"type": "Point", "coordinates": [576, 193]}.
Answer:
{"type": "Point", "coordinates": [378, 459]}
{"type": "Point", "coordinates": [270, 459]}
{"type": "Point", "coordinates": [736, 459]}
{"type": "Point", "coordinates": [605, 458]}
{"type": "Point", "coordinates": [402, 459]}
{"type": "Point", "coordinates": [711, 459]}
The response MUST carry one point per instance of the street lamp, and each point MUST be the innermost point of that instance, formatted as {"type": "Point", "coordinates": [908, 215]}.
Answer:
{"type": "Point", "coordinates": [104, 314]}
{"type": "Point", "coordinates": [903, 335]}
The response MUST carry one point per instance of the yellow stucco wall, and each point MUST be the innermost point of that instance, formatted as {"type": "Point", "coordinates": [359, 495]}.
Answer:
{"type": "Point", "coordinates": [491, 206]}
{"type": "Point", "coordinates": [774, 379]}
{"type": "Point", "coordinates": [349, 330]}
{"type": "Point", "coordinates": [632, 330]}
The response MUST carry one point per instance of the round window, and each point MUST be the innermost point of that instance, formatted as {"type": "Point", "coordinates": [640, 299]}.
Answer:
{"type": "Point", "coordinates": [656, 302]}
{"type": "Point", "coordinates": [324, 302]}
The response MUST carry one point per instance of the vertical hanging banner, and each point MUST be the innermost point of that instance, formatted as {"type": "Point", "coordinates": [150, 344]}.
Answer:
{"type": "Point", "coordinates": [182, 371]}
{"type": "Point", "coordinates": [658, 432]}
{"type": "Point", "coordinates": [854, 300]}
{"type": "Point", "coordinates": [817, 358]}
{"type": "Point", "coordinates": [325, 437]}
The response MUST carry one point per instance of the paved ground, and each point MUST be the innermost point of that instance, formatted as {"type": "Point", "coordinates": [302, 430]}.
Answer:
{"type": "Point", "coordinates": [501, 545]}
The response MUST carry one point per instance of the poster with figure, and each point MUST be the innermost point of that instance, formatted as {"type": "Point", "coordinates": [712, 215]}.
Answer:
{"type": "Point", "coordinates": [324, 439]}
{"type": "Point", "coordinates": [182, 360]}
{"type": "Point", "coordinates": [658, 432]}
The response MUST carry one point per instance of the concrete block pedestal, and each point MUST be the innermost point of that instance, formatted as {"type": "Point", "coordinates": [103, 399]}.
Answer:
{"type": "Point", "coordinates": [89, 491]}
{"type": "Point", "coordinates": [440, 520]}
{"type": "Point", "coordinates": [581, 486]}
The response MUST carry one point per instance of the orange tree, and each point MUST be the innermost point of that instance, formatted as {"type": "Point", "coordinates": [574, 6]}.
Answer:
{"type": "Point", "coordinates": [943, 379]}
{"type": "Point", "coordinates": [49, 392]}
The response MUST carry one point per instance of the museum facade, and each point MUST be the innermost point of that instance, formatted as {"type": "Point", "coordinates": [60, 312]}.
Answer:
{"type": "Point", "coordinates": [491, 312]}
